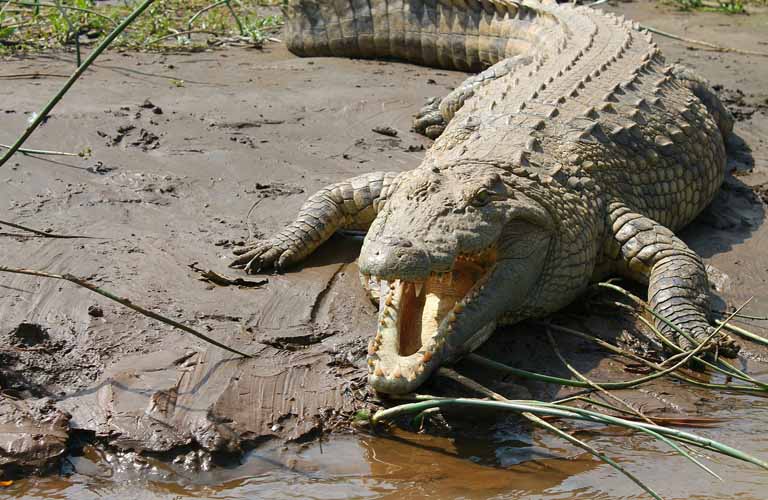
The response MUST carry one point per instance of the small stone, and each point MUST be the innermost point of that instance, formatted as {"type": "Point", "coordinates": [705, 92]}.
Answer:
{"type": "Point", "coordinates": [385, 130]}
{"type": "Point", "coordinates": [95, 311]}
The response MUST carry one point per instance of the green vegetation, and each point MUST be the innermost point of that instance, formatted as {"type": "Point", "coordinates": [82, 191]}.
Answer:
{"type": "Point", "coordinates": [37, 25]}
{"type": "Point", "coordinates": [729, 7]}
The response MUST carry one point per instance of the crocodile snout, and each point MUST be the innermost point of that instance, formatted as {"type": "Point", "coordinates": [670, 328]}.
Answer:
{"type": "Point", "coordinates": [390, 258]}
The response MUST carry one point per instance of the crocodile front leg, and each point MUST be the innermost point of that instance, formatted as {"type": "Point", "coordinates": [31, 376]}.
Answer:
{"type": "Point", "coordinates": [350, 204]}
{"type": "Point", "coordinates": [678, 288]}
{"type": "Point", "coordinates": [432, 119]}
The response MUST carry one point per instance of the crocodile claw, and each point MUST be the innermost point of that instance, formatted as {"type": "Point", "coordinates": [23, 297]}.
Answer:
{"type": "Point", "coordinates": [262, 255]}
{"type": "Point", "coordinates": [726, 346]}
{"type": "Point", "coordinates": [429, 121]}
{"type": "Point", "coordinates": [721, 345]}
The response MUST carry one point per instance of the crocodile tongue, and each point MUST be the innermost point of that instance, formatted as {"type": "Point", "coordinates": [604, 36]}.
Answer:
{"type": "Point", "coordinates": [421, 313]}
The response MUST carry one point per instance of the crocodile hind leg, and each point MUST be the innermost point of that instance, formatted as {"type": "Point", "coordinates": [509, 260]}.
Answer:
{"type": "Point", "coordinates": [350, 204]}
{"type": "Point", "coordinates": [432, 119]}
{"type": "Point", "coordinates": [678, 288]}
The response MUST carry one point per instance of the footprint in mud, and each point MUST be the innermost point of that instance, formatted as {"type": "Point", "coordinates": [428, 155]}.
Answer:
{"type": "Point", "coordinates": [146, 139]}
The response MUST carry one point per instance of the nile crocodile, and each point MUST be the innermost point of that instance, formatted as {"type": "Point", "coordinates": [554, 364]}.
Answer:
{"type": "Point", "coordinates": [574, 153]}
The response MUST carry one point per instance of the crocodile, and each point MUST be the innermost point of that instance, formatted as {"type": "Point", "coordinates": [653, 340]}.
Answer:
{"type": "Point", "coordinates": [573, 153]}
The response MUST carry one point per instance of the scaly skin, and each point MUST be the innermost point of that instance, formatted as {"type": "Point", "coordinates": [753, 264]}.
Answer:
{"type": "Point", "coordinates": [574, 155]}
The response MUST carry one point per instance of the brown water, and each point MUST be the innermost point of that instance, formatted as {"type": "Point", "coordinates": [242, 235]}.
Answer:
{"type": "Point", "coordinates": [512, 463]}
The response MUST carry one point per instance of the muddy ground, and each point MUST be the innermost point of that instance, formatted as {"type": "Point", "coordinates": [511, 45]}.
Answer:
{"type": "Point", "coordinates": [182, 146]}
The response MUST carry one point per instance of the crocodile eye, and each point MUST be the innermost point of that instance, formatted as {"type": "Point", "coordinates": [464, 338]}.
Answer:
{"type": "Point", "coordinates": [481, 198]}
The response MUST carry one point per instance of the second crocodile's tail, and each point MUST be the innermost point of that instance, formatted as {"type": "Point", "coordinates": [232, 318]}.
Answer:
{"type": "Point", "coordinates": [466, 35]}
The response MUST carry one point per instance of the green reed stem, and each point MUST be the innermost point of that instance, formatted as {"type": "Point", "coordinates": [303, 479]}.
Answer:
{"type": "Point", "coordinates": [72, 79]}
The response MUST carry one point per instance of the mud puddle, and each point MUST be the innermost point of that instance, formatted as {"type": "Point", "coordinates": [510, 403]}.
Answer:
{"type": "Point", "coordinates": [168, 192]}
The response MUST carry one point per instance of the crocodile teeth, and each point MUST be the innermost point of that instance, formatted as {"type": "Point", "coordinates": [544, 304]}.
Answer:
{"type": "Point", "coordinates": [418, 287]}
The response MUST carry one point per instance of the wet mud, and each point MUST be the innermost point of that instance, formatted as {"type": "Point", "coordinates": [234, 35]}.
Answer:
{"type": "Point", "coordinates": [193, 155]}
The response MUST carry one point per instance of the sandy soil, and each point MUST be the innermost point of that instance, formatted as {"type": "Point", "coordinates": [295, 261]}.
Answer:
{"type": "Point", "coordinates": [182, 147]}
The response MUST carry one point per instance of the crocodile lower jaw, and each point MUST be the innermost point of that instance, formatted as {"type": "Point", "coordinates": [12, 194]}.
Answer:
{"type": "Point", "coordinates": [415, 332]}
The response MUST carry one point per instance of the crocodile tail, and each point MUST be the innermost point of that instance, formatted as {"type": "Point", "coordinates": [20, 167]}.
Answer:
{"type": "Point", "coordinates": [466, 35]}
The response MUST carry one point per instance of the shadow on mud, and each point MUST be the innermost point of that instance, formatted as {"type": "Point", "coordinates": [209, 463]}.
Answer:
{"type": "Point", "coordinates": [734, 214]}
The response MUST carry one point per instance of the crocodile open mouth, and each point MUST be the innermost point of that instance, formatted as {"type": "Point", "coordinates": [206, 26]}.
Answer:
{"type": "Point", "coordinates": [416, 319]}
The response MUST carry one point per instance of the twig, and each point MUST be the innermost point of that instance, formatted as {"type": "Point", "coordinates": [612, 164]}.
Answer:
{"type": "Point", "coordinates": [2, 11]}
{"type": "Point", "coordinates": [42, 233]}
{"type": "Point", "coordinates": [745, 316]}
{"type": "Point", "coordinates": [655, 314]}
{"type": "Point", "coordinates": [686, 357]}
{"type": "Point", "coordinates": [621, 352]}
{"type": "Point", "coordinates": [472, 384]}
{"type": "Point", "coordinates": [237, 19]}
{"type": "Point", "coordinates": [221, 280]}
{"type": "Point", "coordinates": [722, 367]}
{"type": "Point", "coordinates": [710, 46]}
{"type": "Point", "coordinates": [40, 151]}
{"type": "Point", "coordinates": [72, 79]}
{"type": "Point", "coordinates": [594, 385]}
{"type": "Point", "coordinates": [476, 386]}
{"type": "Point", "coordinates": [203, 11]}
{"type": "Point", "coordinates": [489, 363]}
{"type": "Point", "coordinates": [178, 33]}
{"type": "Point", "coordinates": [541, 408]}
{"type": "Point", "coordinates": [621, 401]}
{"type": "Point", "coordinates": [32, 76]}
{"type": "Point", "coordinates": [71, 33]}
{"type": "Point", "coordinates": [743, 333]}
{"type": "Point", "coordinates": [124, 301]}
{"type": "Point", "coordinates": [594, 451]}
{"type": "Point", "coordinates": [684, 421]}
{"type": "Point", "coordinates": [14, 26]}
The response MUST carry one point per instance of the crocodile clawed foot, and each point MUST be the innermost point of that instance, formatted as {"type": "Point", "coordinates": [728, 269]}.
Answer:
{"type": "Point", "coordinates": [722, 345]}
{"type": "Point", "coordinates": [262, 255]}
{"type": "Point", "coordinates": [727, 347]}
{"type": "Point", "coordinates": [429, 121]}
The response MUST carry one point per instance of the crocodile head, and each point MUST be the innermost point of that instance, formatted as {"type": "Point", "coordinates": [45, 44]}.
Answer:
{"type": "Point", "coordinates": [454, 249]}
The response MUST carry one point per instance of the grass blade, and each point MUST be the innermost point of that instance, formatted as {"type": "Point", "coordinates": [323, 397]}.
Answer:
{"type": "Point", "coordinates": [597, 453]}
{"type": "Point", "coordinates": [124, 301]}
{"type": "Point", "coordinates": [72, 79]}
